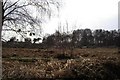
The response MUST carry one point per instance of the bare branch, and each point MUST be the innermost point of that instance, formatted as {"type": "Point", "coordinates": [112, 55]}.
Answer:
{"type": "Point", "coordinates": [5, 3]}
{"type": "Point", "coordinates": [19, 13]}
{"type": "Point", "coordinates": [12, 5]}
{"type": "Point", "coordinates": [15, 9]}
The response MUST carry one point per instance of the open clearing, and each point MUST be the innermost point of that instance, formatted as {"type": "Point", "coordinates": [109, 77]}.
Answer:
{"type": "Point", "coordinates": [85, 64]}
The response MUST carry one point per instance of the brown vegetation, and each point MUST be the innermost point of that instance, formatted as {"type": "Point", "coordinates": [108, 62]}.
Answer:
{"type": "Point", "coordinates": [85, 64]}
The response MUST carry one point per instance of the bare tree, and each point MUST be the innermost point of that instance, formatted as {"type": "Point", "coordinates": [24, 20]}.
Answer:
{"type": "Point", "coordinates": [19, 14]}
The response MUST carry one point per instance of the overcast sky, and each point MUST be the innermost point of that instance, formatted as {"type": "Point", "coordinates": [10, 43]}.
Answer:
{"type": "Point", "coordinates": [93, 14]}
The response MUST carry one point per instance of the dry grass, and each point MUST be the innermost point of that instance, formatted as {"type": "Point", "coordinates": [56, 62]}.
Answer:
{"type": "Point", "coordinates": [85, 64]}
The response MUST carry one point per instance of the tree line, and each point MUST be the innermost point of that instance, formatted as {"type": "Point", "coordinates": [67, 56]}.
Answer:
{"type": "Point", "coordinates": [80, 38]}
{"type": "Point", "coordinates": [84, 38]}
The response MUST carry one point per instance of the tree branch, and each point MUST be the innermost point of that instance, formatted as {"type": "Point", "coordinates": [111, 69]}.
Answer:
{"type": "Point", "coordinates": [11, 5]}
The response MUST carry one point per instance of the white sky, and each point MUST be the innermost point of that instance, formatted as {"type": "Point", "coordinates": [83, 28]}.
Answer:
{"type": "Point", "coordinates": [93, 14]}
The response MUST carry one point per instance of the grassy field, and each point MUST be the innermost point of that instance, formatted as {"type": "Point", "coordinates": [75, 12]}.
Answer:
{"type": "Point", "coordinates": [85, 64]}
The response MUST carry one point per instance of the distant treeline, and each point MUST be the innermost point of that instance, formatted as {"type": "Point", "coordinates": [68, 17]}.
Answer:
{"type": "Point", "coordinates": [81, 38]}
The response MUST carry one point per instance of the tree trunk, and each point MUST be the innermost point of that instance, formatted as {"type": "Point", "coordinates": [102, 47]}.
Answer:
{"type": "Point", "coordinates": [1, 23]}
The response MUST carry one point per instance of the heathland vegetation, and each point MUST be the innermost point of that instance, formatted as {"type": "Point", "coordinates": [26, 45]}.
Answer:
{"type": "Point", "coordinates": [84, 55]}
